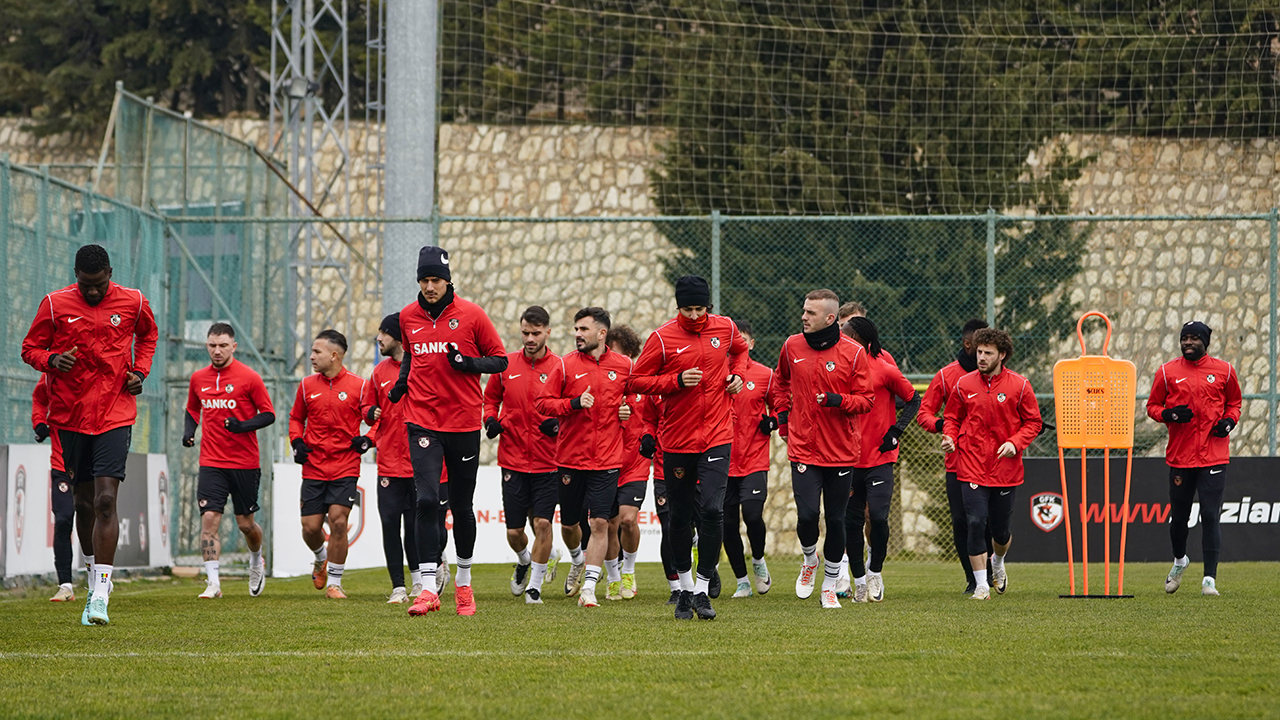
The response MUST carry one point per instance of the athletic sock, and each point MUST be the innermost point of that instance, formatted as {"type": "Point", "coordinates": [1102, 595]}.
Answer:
{"type": "Point", "coordinates": [701, 585]}
{"type": "Point", "coordinates": [980, 576]}
{"type": "Point", "coordinates": [997, 562]}
{"type": "Point", "coordinates": [1180, 562]}
{"type": "Point", "coordinates": [102, 580]}
{"type": "Point", "coordinates": [427, 576]}
{"type": "Point", "coordinates": [463, 579]}
{"type": "Point", "coordinates": [335, 574]}
{"type": "Point", "coordinates": [810, 555]}
{"type": "Point", "coordinates": [415, 577]}
{"type": "Point", "coordinates": [686, 580]}
{"type": "Point", "coordinates": [323, 553]}
{"type": "Point", "coordinates": [524, 557]}
{"type": "Point", "coordinates": [539, 572]}
{"type": "Point", "coordinates": [593, 577]}
{"type": "Point", "coordinates": [628, 562]}
{"type": "Point", "coordinates": [575, 554]}
{"type": "Point", "coordinates": [88, 568]}
{"type": "Point", "coordinates": [860, 581]}
{"type": "Point", "coordinates": [255, 558]}
{"type": "Point", "coordinates": [613, 571]}
{"type": "Point", "coordinates": [674, 585]}
{"type": "Point", "coordinates": [211, 569]}
{"type": "Point", "coordinates": [830, 574]}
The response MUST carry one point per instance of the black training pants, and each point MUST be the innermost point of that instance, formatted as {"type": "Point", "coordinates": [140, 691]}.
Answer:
{"type": "Point", "coordinates": [430, 452]}
{"type": "Point", "coordinates": [695, 491]}
{"type": "Point", "coordinates": [1184, 485]}
{"type": "Point", "coordinates": [398, 503]}
{"type": "Point", "coordinates": [829, 488]}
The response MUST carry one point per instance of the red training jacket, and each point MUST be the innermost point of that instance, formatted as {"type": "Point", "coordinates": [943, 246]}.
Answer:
{"type": "Point", "coordinates": [40, 414]}
{"type": "Point", "coordinates": [237, 392]}
{"type": "Point", "coordinates": [1211, 388]}
{"type": "Point", "coordinates": [589, 439]}
{"type": "Point", "coordinates": [650, 419]}
{"type": "Point", "coordinates": [389, 432]}
{"type": "Point", "coordinates": [441, 398]}
{"type": "Point", "coordinates": [818, 435]}
{"type": "Point", "coordinates": [940, 388]}
{"type": "Point", "coordinates": [750, 451]}
{"type": "Point", "coordinates": [116, 336]}
{"type": "Point", "coordinates": [509, 396]}
{"type": "Point", "coordinates": [888, 382]}
{"type": "Point", "coordinates": [984, 413]}
{"type": "Point", "coordinates": [326, 415]}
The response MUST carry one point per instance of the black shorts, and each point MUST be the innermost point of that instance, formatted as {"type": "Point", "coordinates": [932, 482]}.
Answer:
{"type": "Point", "coordinates": [214, 484]}
{"type": "Point", "coordinates": [90, 456]}
{"type": "Point", "coordinates": [586, 491]}
{"type": "Point", "coordinates": [528, 495]}
{"type": "Point", "coordinates": [318, 495]}
{"type": "Point", "coordinates": [660, 496]}
{"type": "Point", "coordinates": [632, 493]}
{"type": "Point", "coordinates": [753, 487]}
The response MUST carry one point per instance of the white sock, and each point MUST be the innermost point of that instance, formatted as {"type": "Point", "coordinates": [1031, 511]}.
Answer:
{"type": "Point", "coordinates": [830, 574]}
{"type": "Point", "coordinates": [980, 576]}
{"type": "Point", "coordinates": [335, 574]}
{"type": "Point", "coordinates": [539, 572]}
{"type": "Point", "coordinates": [1180, 562]}
{"type": "Point", "coordinates": [593, 577]}
{"type": "Point", "coordinates": [997, 562]}
{"type": "Point", "coordinates": [211, 569]}
{"type": "Point", "coordinates": [674, 585]}
{"type": "Point", "coordinates": [524, 557]}
{"type": "Point", "coordinates": [255, 557]}
{"type": "Point", "coordinates": [88, 568]}
{"type": "Point", "coordinates": [102, 580]}
{"type": "Point", "coordinates": [65, 586]}
{"type": "Point", "coordinates": [844, 567]}
{"type": "Point", "coordinates": [427, 576]}
{"type": "Point", "coordinates": [464, 573]}
{"type": "Point", "coordinates": [701, 585]}
{"type": "Point", "coordinates": [322, 554]}
{"type": "Point", "coordinates": [613, 570]}
{"type": "Point", "coordinates": [810, 555]}
{"type": "Point", "coordinates": [860, 581]}
{"type": "Point", "coordinates": [743, 579]}
{"type": "Point", "coordinates": [686, 580]}
{"type": "Point", "coordinates": [415, 577]}
{"type": "Point", "coordinates": [628, 562]}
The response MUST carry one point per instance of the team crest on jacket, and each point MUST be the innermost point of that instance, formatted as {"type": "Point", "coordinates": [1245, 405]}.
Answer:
{"type": "Point", "coordinates": [613, 375]}
{"type": "Point", "coordinates": [342, 396]}
{"type": "Point", "coordinates": [542, 378]}
{"type": "Point", "coordinates": [679, 473]}
{"type": "Point", "coordinates": [1046, 511]}
{"type": "Point", "coordinates": [751, 384]}
{"type": "Point", "coordinates": [831, 365]}
{"type": "Point", "coordinates": [1210, 379]}
{"type": "Point", "coordinates": [715, 342]}
{"type": "Point", "coordinates": [566, 479]}
{"type": "Point", "coordinates": [230, 387]}
{"type": "Point", "coordinates": [453, 324]}
{"type": "Point", "coordinates": [423, 442]}
{"type": "Point", "coordinates": [115, 320]}
{"type": "Point", "coordinates": [1000, 397]}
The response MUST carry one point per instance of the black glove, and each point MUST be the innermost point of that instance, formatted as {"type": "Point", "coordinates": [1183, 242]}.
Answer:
{"type": "Point", "coordinates": [361, 444]}
{"type": "Point", "coordinates": [369, 419]}
{"type": "Point", "coordinates": [938, 425]}
{"type": "Point", "coordinates": [300, 451]}
{"type": "Point", "coordinates": [492, 428]}
{"type": "Point", "coordinates": [1177, 414]}
{"type": "Point", "coordinates": [233, 425]}
{"type": "Point", "coordinates": [768, 424]}
{"type": "Point", "coordinates": [550, 427]}
{"type": "Point", "coordinates": [457, 360]}
{"type": "Point", "coordinates": [831, 400]}
{"type": "Point", "coordinates": [648, 446]}
{"type": "Point", "coordinates": [890, 442]}
{"type": "Point", "coordinates": [42, 432]}
{"type": "Point", "coordinates": [188, 441]}
{"type": "Point", "coordinates": [1223, 427]}
{"type": "Point", "coordinates": [397, 391]}
{"type": "Point", "coordinates": [783, 423]}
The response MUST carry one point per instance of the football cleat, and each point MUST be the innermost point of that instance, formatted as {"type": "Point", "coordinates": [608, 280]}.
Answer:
{"type": "Point", "coordinates": [334, 592]}
{"type": "Point", "coordinates": [614, 590]}
{"type": "Point", "coordinates": [573, 582]}
{"type": "Point", "coordinates": [981, 593]}
{"type": "Point", "coordinates": [713, 585]}
{"type": "Point", "coordinates": [398, 597]}
{"type": "Point", "coordinates": [553, 563]}
{"type": "Point", "coordinates": [684, 604]}
{"type": "Point", "coordinates": [64, 594]}
{"type": "Point", "coordinates": [533, 596]}
{"type": "Point", "coordinates": [426, 602]}
{"type": "Point", "coordinates": [763, 581]}
{"type": "Point", "coordinates": [804, 583]}
{"type": "Point", "coordinates": [843, 588]}
{"type": "Point", "coordinates": [629, 586]}
{"type": "Point", "coordinates": [211, 591]}
{"type": "Point", "coordinates": [702, 606]}
{"type": "Point", "coordinates": [465, 599]}
{"type": "Point", "coordinates": [442, 577]}
{"type": "Point", "coordinates": [744, 590]}
{"type": "Point", "coordinates": [675, 598]}
{"type": "Point", "coordinates": [1173, 580]}
{"type": "Point", "coordinates": [84, 616]}
{"type": "Point", "coordinates": [860, 594]}
{"type": "Point", "coordinates": [319, 573]}
{"type": "Point", "coordinates": [875, 588]}
{"type": "Point", "coordinates": [587, 598]}
{"type": "Point", "coordinates": [1000, 580]}
{"type": "Point", "coordinates": [973, 585]}
{"type": "Point", "coordinates": [1209, 587]}
{"type": "Point", "coordinates": [257, 578]}
{"type": "Point", "coordinates": [519, 579]}
{"type": "Point", "coordinates": [97, 613]}
{"type": "Point", "coordinates": [415, 591]}
{"type": "Point", "coordinates": [829, 599]}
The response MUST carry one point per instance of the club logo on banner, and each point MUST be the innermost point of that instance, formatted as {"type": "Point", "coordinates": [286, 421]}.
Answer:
{"type": "Point", "coordinates": [1046, 511]}
{"type": "Point", "coordinates": [19, 505]}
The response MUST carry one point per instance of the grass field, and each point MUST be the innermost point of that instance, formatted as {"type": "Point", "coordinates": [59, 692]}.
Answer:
{"type": "Point", "coordinates": [926, 651]}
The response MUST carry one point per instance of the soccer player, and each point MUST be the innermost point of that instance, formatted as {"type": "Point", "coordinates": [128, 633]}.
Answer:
{"type": "Point", "coordinates": [748, 486]}
{"type": "Point", "coordinates": [851, 309]}
{"type": "Point", "coordinates": [1198, 398]}
{"type": "Point", "coordinates": [584, 390]}
{"type": "Point", "coordinates": [62, 504]}
{"type": "Point", "coordinates": [633, 482]}
{"type": "Point", "coordinates": [940, 389]}
{"type": "Point", "coordinates": [821, 386]}
{"type": "Point", "coordinates": [873, 472]}
{"type": "Point", "coordinates": [451, 342]}
{"type": "Point", "coordinates": [397, 502]}
{"type": "Point", "coordinates": [650, 415]}
{"type": "Point", "coordinates": [235, 405]}
{"type": "Point", "coordinates": [991, 418]}
{"type": "Point", "coordinates": [96, 340]}
{"type": "Point", "coordinates": [695, 362]}
{"type": "Point", "coordinates": [324, 430]}
{"type": "Point", "coordinates": [526, 452]}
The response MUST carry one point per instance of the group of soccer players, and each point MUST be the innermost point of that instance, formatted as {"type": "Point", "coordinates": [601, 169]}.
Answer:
{"type": "Point", "coordinates": [583, 433]}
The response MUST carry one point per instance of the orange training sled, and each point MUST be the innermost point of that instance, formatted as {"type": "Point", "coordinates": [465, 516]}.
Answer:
{"type": "Point", "coordinates": [1095, 399]}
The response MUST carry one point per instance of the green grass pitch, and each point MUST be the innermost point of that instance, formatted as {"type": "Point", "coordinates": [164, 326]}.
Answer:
{"type": "Point", "coordinates": [925, 652]}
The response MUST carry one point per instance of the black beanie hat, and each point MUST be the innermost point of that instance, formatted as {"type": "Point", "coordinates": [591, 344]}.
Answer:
{"type": "Point", "coordinates": [1197, 328]}
{"type": "Point", "coordinates": [433, 262]}
{"type": "Point", "coordinates": [692, 290]}
{"type": "Point", "coordinates": [391, 326]}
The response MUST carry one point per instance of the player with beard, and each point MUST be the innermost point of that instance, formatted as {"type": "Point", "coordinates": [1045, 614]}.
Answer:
{"type": "Point", "coordinates": [748, 487]}
{"type": "Point", "coordinates": [1198, 398]}
{"type": "Point", "coordinates": [991, 418]}
{"type": "Point", "coordinates": [940, 388]}
{"type": "Point", "coordinates": [526, 453]}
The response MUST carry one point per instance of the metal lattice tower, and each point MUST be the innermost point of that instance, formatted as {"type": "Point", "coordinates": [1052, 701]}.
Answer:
{"type": "Point", "coordinates": [310, 114]}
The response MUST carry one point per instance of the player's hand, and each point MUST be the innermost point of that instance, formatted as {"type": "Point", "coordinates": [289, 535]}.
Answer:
{"type": "Point", "coordinates": [768, 424]}
{"type": "Point", "coordinates": [63, 362]}
{"type": "Point", "coordinates": [890, 441]}
{"type": "Point", "coordinates": [689, 378]}
{"type": "Point", "coordinates": [828, 399]}
{"type": "Point", "coordinates": [624, 412]}
{"type": "Point", "coordinates": [189, 440]}
{"type": "Point", "coordinates": [648, 446]}
{"type": "Point", "coordinates": [300, 451]}
{"type": "Point", "coordinates": [398, 391]}
{"type": "Point", "coordinates": [42, 432]}
{"type": "Point", "coordinates": [783, 424]}
{"type": "Point", "coordinates": [733, 384]}
{"type": "Point", "coordinates": [492, 428]}
{"type": "Point", "coordinates": [372, 415]}
{"type": "Point", "coordinates": [550, 427]}
{"type": "Point", "coordinates": [1177, 414]}
{"type": "Point", "coordinates": [1223, 427]}
{"type": "Point", "coordinates": [1007, 450]}
{"type": "Point", "coordinates": [457, 360]}
{"type": "Point", "coordinates": [586, 400]}
{"type": "Point", "coordinates": [233, 425]}
{"type": "Point", "coordinates": [948, 444]}
{"type": "Point", "coordinates": [361, 444]}
{"type": "Point", "coordinates": [133, 382]}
